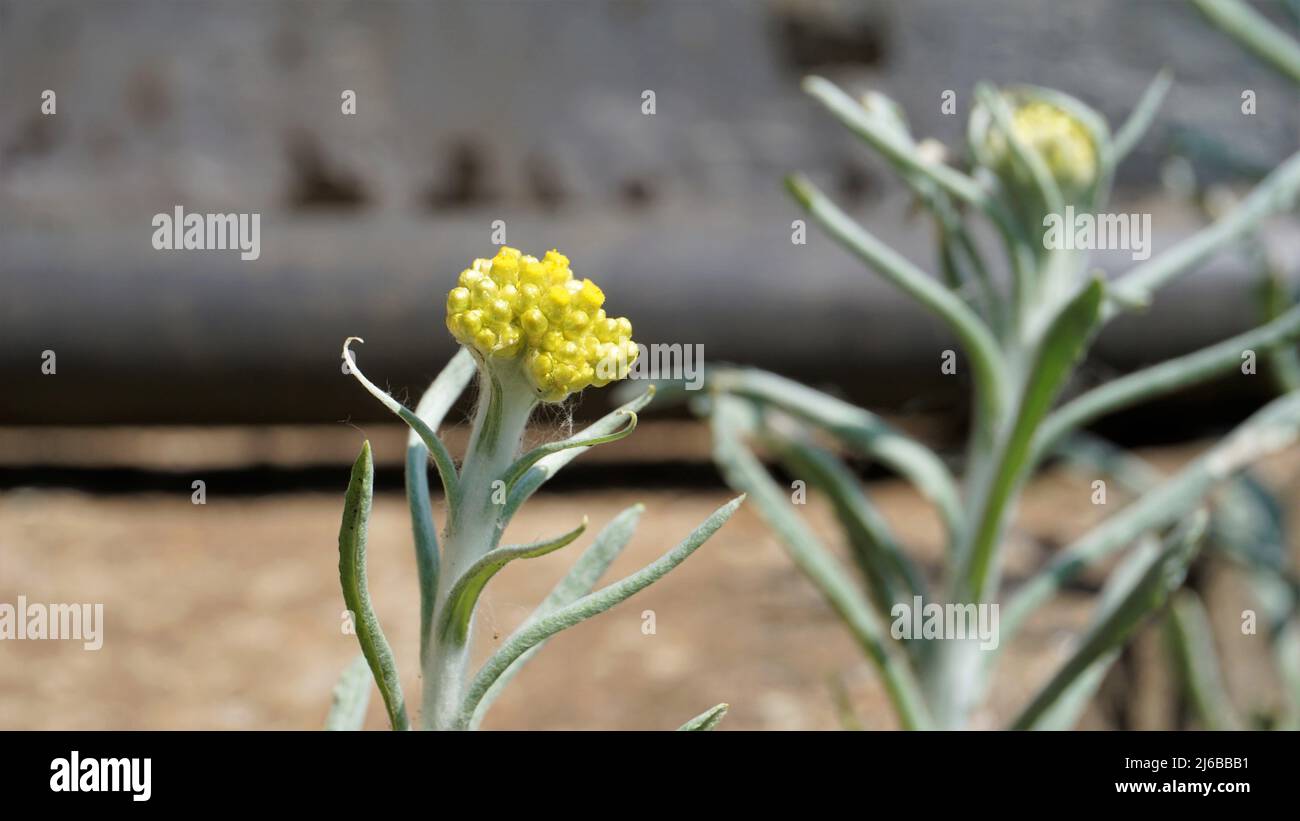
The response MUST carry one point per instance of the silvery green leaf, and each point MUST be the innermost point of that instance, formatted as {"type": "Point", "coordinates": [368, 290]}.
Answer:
{"type": "Point", "coordinates": [885, 567]}
{"type": "Point", "coordinates": [549, 465]}
{"type": "Point", "coordinates": [441, 457]}
{"type": "Point", "coordinates": [1162, 379]}
{"type": "Point", "coordinates": [1062, 345]}
{"type": "Point", "coordinates": [1271, 429]}
{"type": "Point", "coordinates": [859, 428]}
{"type": "Point", "coordinates": [584, 574]}
{"type": "Point", "coordinates": [351, 697]}
{"type": "Point", "coordinates": [583, 440]}
{"type": "Point", "coordinates": [707, 720]}
{"type": "Point", "coordinates": [893, 144]}
{"type": "Point", "coordinates": [1277, 297]}
{"type": "Point", "coordinates": [1140, 118]}
{"type": "Point", "coordinates": [590, 605]}
{"type": "Point", "coordinates": [1286, 652]}
{"type": "Point", "coordinates": [1275, 193]}
{"type": "Point", "coordinates": [437, 400]}
{"type": "Point", "coordinates": [1197, 662]}
{"type": "Point", "coordinates": [356, 595]}
{"type": "Point", "coordinates": [1249, 525]}
{"type": "Point", "coordinates": [1256, 33]}
{"type": "Point", "coordinates": [463, 596]}
{"type": "Point", "coordinates": [744, 472]}
{"type": "Point", "coordinates": [975, 336]}
{"type": "Point", "coordinates": [443, 392]}
{"type": "Point", "coordinates": [1069, 706]}
{"type": "Point", "coordinates": [1117, 619]}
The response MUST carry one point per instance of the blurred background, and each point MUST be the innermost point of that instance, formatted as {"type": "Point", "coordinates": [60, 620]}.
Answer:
{"type": "Point", "coordinates": [183, 366]}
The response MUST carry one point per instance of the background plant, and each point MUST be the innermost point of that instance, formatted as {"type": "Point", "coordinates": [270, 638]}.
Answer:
{"type": "Point", "coordinates": [532, 333]}
{"type": "Point", "coordinates": [1250, 525]}
{"type": "Point", "coordinates": [1035, 151]}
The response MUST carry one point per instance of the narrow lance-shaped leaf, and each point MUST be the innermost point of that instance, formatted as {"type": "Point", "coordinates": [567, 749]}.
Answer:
{"type": "Point", "coordinates": [859, 428]}
{"type": "Point", "coordinates": [590, 605]}
{"type": "Point", "coordinates": [584, 574]}
{"type": "Point", "coordinates": [902, 153]}
{"type": "Point", "coordinates": [437, 400]}
{"type": "Point", "coordinates": [583, 440]}
{"type": "Point", "coordinates": [744, 472]}
{"type": "Point", "coordinates": [1271, 429]}
{"type": "Point", "coordinates": [975, 336]}
{"type": "Point", "coordinates": [1277, 298]}
{"type": "Point", "coordinates": [964, 268]}
{"type": "Point", "coordinates": [1192, 643]}
{"type": "Point", "coordinates": [1140, 119]}
{"type": "Point", "coordinates": [351, 697]}
{"type": "Point", "coordinates": [1147, 594]}
{"type": "Point", "coordinates": [1254, 32]}
{"type": "Point", "coordinates": [1275, 193]}
{"type": "Point", "coordinates": [356, 596]}
{"type": "Point", "coordinates": [549, 465]}
{"type": "Point", "coordinates": [1286, 653]}
{"type": "Point", "coordinates": [441, 457]}
{"type": "Point", "coordinates": [1064, 713]}
{"type": "Point", "coordinates": [463, 596]}
{"type": "Point", "coordinates": [1162, 379]}
{"type": "Point", "coordinates": [886, 569]}
{"type": "Point", "coordinates": [707, 720]}
{"type": "Point", "coordinates": [894, 146]}
{"type": "Point", "coordinates": [1061, 347]}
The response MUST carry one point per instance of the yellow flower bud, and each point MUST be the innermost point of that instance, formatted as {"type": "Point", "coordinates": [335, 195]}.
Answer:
{"type": "Point", "coordinates": [485, 292]}
{"type": "Point", "coordinates": [469, 277]}
{"type": "Point", "coordinates": [556, 302]}
{"type": "Point", "coordinates": [534, 324]}
{"type": "Point", "coordinates": [501, 311]}
{"type": "Point", "coordinates": [505, 266]}
{"type": "Point", "coordinates": [457, 300]}
{"type": "Point", "coordinates": [591, 297]}
{"type": "Point", "coordinates": [534, 273]}
{"type": "Point", "coordinates": [552, 341]}
{"type": "Point", "coordinates": [576, 320]}
{"type": "Point", "coordinates": [1064, 144]}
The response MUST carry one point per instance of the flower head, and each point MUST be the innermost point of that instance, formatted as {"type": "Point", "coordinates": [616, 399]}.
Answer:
{"type": "Point", "coordinates": [517, 307]}
{"type": "Point", "coordinates": [1063, 142]}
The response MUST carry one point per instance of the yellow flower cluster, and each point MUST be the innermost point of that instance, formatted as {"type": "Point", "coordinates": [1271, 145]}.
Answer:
{"type": "Point", "coordinates": [1062, 142]}
{"type": "Point", "coordinates": [517, 306]}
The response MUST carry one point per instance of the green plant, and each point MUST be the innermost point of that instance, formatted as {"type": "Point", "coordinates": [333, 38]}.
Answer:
{"type": "Point", "coordinates": [1037, 155]}
{"type": "Point", "coordinates": [1250, 522]}
{"type": "Point", "coordinates": [1246, 532]}
{"type": "Point", "coordinates": [532, 333]}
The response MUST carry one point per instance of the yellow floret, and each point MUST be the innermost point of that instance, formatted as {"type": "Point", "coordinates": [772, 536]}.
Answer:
{"type": "Point", "coordinates": [516, 306]}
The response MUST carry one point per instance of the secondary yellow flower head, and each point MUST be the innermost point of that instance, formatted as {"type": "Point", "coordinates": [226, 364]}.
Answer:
{"type": "Point", "coordinates": [515, 306]}
{"type": "Point", "coordinates": [1062, 141]}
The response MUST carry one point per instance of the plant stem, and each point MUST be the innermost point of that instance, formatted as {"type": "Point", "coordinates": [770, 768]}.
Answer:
{"type": "Point", "coordinates": [506, 402]}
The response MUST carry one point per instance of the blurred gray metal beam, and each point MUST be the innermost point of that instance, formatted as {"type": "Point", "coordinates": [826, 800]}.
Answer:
{"type": "Point", "coordinates": [188, 336]}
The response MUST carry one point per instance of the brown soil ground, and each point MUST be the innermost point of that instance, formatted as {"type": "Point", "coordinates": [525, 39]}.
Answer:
{"type": "Point", "coordinates": [228, 615]}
